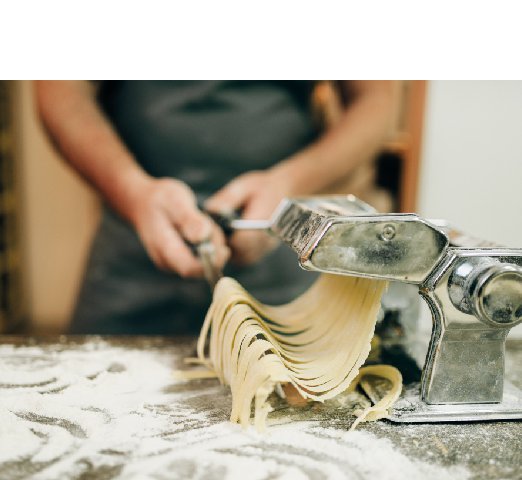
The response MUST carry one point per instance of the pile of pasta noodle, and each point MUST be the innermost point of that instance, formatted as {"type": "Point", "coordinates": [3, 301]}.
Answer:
{"type": "Point", "coordinates": [317, 342]}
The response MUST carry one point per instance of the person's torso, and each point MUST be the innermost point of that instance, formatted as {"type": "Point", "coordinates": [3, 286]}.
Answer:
{"type": "Point", "coordinates": [207, 132]}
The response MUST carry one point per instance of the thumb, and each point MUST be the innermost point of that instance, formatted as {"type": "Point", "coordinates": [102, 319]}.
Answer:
{"type": "Point", "coordinates": [232, 196]}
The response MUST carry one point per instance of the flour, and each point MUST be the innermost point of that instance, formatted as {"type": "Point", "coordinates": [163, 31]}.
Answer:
{"type": "Point", "coordinates": [112, 412]}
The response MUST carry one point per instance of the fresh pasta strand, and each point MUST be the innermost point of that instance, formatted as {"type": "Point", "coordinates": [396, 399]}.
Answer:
{"type": "Point", "coordinates": [380, 409]}
{"type": "Point", "coordinates": [317, 342]}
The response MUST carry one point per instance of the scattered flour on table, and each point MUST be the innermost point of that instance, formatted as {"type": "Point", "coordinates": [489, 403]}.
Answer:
{"type": "Point", "coordinates": [117, 413]}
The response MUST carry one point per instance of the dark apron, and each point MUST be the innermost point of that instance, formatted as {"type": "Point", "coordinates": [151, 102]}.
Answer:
{"type": "Point", "coordinates": [205, 134]}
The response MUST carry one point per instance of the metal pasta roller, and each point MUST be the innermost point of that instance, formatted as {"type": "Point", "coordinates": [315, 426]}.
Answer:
{"type": "Point", "coordinates": [473, 289]}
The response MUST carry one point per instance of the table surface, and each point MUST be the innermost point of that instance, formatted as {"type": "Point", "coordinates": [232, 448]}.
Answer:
{"type": "Point", "coordinates": [91, 407]}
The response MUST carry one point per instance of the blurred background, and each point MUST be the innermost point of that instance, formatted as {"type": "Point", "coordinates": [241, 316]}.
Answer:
{"type": "Point", "coordinates": [456, 154]}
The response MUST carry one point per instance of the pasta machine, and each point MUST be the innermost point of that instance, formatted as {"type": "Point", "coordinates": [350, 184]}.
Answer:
{"type": "Point", "coordinates": [473, 290]}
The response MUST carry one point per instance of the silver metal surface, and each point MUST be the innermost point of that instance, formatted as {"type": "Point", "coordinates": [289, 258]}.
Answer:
{"type": "Point", "coordinates": [411, 409]}
{"type": "Point", "coordinates": [392, 247]}
{"type": "Point", "coordinates": [474, 294]}
{"type": "Point", "coordinates": [465, 361]}
{"type": "Point", "coordinates": [242, 224]}
{"type": "Point", "coordinates": [489, 289]}
{"type": "Point", "coordinates": [339, 236]}
{"type": "Point", "coordinates": [301, 222]}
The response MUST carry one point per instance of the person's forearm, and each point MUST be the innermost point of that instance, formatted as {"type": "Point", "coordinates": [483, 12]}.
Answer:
{"type": "Point", "coordinates": [358, 136]}
{"type": "Point", "coordinates": [89, 143]}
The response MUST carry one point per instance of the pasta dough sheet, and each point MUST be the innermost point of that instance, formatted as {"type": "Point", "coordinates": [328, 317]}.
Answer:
{"type": "Point", "coordinates": [317, 342]}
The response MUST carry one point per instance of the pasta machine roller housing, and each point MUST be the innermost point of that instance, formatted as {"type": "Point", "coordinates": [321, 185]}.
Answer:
{"type": "Point", "coordinates": [474, 293]}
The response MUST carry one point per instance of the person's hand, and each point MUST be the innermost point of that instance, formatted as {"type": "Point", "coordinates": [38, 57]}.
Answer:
{"type": "Point", "coordinates": [165, 215]}
{"type": "Point", "coordinates": [256, 195]}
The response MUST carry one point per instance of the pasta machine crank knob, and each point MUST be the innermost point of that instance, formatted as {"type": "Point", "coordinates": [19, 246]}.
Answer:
{"type": "Point", "coordinates": [488, 289]}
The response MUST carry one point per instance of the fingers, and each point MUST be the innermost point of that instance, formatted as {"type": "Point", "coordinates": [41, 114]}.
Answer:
{"type": "Point", "coordinates": [169, 251]}
{"type": "Point", "coordinates": [250, 247]}
{"type": "Point", "coordinates": [193, 225]}
{"type": "Point", "coordinates": [233, 195]}
{"type": "Point", "coordinates": [196, 227]}
{"type": "Point", "coordinates": [251, 194]}
{"type": "Point", "coordinates": [169, 220]}
{"type": "Point", "coordinates": [180, 206]}
{"type": "Point", "coordinates": [222, 249]}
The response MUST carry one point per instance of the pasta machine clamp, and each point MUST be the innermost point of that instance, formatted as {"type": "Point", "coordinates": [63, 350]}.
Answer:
{"type": "Point", "coordinates": [474, 292]}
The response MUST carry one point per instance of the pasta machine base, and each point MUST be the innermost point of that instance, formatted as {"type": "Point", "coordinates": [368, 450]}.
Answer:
{"type": "Point", "coordinates": [411, 409]}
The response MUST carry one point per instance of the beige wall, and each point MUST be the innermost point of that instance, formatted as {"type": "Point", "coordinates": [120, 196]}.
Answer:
{"type": "Point", "coordinates": [59, 214]}
{"type": "Point", "coordinates": [472, 159]}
